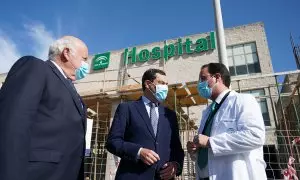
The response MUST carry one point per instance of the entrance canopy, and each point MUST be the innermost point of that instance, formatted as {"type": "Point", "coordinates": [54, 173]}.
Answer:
{"type": "Point", "coordinates": [182, 94]}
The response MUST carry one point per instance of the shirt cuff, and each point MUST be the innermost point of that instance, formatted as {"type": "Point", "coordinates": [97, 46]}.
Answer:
{"type": "Point", "coordinates": [139, 154]}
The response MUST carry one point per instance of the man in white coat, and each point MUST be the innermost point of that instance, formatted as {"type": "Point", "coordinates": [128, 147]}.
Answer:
{"type": "Point", "coordinates": [229, 144]}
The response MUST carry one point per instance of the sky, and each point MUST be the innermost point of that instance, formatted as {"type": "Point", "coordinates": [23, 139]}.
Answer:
{"type": "Point", "coordinates": [28, 27]}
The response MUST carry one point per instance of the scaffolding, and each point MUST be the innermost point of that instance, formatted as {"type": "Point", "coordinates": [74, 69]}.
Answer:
{"type": "Point", "coordinates": [296, 51]}
{"type": "Point", "coordinates": [279, 103]}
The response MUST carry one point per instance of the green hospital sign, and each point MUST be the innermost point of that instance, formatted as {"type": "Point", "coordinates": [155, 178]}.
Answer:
{"type": "Point", "coordinates": [101, 61]}
{"type": "Point", "coordinates": [170, 50]}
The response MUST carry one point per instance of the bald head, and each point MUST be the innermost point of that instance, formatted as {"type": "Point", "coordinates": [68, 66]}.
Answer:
{"type": "Point", "coordinates": [68, 52]}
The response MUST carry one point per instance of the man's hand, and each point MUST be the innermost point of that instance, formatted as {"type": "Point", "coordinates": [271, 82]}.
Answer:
{"type": "Point", "coordinates": [191, 147]}
{"type": "Point", "coordinates": [201, 141]}
{"type": "Point", "coordinates": [148, 156]}
{"type": "Point", "coordinates": [169, 171]}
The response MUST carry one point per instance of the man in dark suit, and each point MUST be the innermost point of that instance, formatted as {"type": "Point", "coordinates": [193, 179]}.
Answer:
{"type": "Point", "coordinates": [145, 135]}
{"type": "Point", "coordinates": [42, 118]}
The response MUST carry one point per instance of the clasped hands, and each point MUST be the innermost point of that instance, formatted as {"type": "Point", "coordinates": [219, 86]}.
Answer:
{"type": "Point", "coordinates": [150, 157]}
{"type": "Point", "coordinates": [199, 141]}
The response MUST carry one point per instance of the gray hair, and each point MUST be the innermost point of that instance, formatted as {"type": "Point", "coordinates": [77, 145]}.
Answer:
{"type": "Point", "coordinates": [57, 47]}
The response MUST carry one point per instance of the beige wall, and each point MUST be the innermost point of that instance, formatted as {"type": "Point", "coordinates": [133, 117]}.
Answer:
{"type": "Point", "coordinates": [183, 68]}
{"type": "Point", "coordinates": [179, 69]}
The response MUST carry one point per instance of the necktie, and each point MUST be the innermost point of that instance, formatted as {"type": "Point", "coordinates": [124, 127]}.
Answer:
{"type": "Point", "coordinates": [203, 152]}
{"type": "Point", "coordinates": [153, 117]}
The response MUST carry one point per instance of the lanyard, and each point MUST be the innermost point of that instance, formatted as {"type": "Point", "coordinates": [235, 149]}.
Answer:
{"type": "Point", "coordinates": [213, 112]}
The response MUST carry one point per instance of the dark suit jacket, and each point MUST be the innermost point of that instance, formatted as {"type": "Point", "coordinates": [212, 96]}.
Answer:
{"type": "Point", "coordinates": [131, 129]}
{"type": "Point", "coordinates": [42, 124]}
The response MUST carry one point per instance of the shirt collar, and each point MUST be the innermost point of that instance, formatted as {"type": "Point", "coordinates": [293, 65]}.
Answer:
{"type": "Point", "coordinates": [146, 100]}
{"type": "Point", "coordinates": [220, 97]}
{"type": "Point", "coordinates": [59, 68]}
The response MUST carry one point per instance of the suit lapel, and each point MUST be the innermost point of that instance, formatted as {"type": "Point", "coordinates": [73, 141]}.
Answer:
{"type": "Point", "coordinates": [161, 120]}
{"type": "Point", "coordinates": [205, 115]}
{"type": "Point", "coordinates": [144, 114]}
{"type": "Point", "coordinates": [84, 114]}
{"type": "Point", "coordinates": [64, 81]}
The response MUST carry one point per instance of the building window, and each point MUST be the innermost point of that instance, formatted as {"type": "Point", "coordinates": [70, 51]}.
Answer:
{"type": "Point", "coordinates": [243, 59]}
{"type": "Point", "coordinates": [259, 94]}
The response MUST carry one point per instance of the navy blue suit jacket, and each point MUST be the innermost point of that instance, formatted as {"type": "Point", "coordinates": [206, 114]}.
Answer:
{"type": "Point", "coordinates": [131, 129]}
{"type": "Point", "coordinates": [42, 124]}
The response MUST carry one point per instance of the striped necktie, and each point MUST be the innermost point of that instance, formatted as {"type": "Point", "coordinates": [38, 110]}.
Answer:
{"type": "Point", "coordinates": [153, 117]}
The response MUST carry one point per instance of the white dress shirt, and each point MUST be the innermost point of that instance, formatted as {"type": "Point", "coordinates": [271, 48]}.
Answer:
{"type": "Point", "coordinates": [147, 105]}
{"type": "Point", "coordinates": [59, 68]}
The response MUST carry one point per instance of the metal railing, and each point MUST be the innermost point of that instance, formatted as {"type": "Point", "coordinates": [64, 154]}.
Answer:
{"type": "Point", "coordinates": [280, 103]}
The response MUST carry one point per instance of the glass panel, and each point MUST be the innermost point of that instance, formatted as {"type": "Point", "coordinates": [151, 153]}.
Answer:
{"type": "Point", "coordinates": [257, 67]}
{"type": "Point", "coordinates": [254, 68]}
{"type": "Point", "coordinates": [247, 92]}
{"type": "Point", "coordinates": [263, 107]}
{"type": "Point", "coordinates": [255, 94]}
{"type": "Point", "coordinates": [239, 60]}
{"type": "Point", "coordinates": [250, 48]}
{"type": "Point", "coordinates": [229, 51]}
{"type": "Point", "coordinates": [258, 92]}
{"type": "Point", "coordinates": [238, 50]}
{"type": "Point", "coordinates": [267, 123]}
{"type": "Point", "coordinates": [251, 68]}
{"type": "Point", "coordinates": [251, 58]}
{"type": "Point", "coordinates": [230, 61]}
{"type": "Point", "coordinates": [232, 71]}
{"type": "Point", "coordinates": [266, 118]}
{"type": "Point", "coordinates": [240, 70]}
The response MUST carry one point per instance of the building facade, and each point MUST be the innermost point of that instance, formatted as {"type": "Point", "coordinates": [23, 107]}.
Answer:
{"type": "Point", "coordinates": [116, 77]}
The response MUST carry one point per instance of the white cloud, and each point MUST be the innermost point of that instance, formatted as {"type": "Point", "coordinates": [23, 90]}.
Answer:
{"type": "Point", "coordinates": [39, 39]}
{"type": "Point", "coordinates": [8, 53]}
{"type": "Point", "coordinates": [42, 39]}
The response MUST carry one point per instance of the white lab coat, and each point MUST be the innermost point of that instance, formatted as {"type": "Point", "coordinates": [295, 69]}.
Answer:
{"type": "Point", "coordinates": [237, 138]}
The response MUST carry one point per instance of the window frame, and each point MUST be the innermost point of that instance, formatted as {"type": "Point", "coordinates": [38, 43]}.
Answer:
{"type": "Point", "coordinates": [232, 56]}
{"type": "Point", "coordinates": [267, 122]}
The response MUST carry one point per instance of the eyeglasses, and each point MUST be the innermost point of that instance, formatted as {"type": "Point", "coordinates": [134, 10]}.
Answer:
{"type": "Point", "coordinates": [205, 78]}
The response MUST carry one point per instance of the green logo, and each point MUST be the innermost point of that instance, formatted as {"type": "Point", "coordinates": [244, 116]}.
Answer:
{"type": "Point", "coordinates": [101, 61]}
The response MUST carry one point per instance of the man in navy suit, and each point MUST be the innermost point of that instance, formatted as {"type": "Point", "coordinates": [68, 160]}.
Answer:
{"type": "Point", "coordinates": [145, 135]}
{"type": "Point", "coordinates": [42, 118]}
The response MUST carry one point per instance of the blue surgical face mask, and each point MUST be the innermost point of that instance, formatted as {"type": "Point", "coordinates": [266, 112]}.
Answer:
{"type": "Point", "coordinates": [161, 92]}
{"type": "Point", "coordinates": [82, 71]}
{"type": "Point", "coordinates": [203, 89]}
